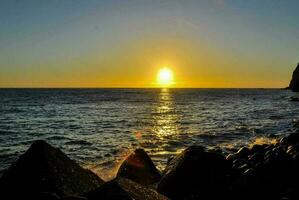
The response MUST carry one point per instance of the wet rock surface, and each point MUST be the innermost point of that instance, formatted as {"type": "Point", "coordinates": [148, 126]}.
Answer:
{"type": "Point", "coordinates": [124, 189]}
{"type": "Point", "coordinates": [140, 168]}
{"type": "Point", "coordinates": [109, 191]}
{"type": "Point", "coordinates": [43, 170]}
{"type": "Point", "coordinates": [139, 192]}
{"type": "Point", "coordinates": [195, 174]}
{"type": "Point", "coordinates": [267, 171]}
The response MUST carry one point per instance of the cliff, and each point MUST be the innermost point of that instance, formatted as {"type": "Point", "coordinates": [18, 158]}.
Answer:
{"type": "Point", "coordinates": [294, 84]}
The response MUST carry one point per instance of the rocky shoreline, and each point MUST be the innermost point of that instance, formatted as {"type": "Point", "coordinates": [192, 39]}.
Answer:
{"type": "Point", "coordinates": [268, 171]}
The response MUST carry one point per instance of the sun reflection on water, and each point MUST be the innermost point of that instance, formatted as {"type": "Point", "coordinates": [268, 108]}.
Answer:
{"type": "Point", "coordinates": [165, 118]}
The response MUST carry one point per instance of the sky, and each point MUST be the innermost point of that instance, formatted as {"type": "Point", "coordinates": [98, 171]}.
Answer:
{"type": "Point", "coordinates": [124, 43]}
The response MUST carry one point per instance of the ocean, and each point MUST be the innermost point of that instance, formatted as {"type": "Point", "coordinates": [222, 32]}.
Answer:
{"type": "Point", "coordinates": [99, 127]}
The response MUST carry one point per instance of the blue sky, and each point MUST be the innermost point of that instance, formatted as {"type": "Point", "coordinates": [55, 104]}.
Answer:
{"type": "Point", "coordinates": [122, 43]}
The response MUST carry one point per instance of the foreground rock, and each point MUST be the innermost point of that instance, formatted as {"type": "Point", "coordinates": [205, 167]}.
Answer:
{"type": "Point", "coordinates": [139, 168]}
{"type": "Point", "coordinates": [139, 192]}
{"type": "Point", "coordinates": [294, 84]}
{"type": "Point", "coordinates": [109, 191]}
{"type": "Point", "coordinates": [44, 169]}
{"type": "Point", "coordinates": [124, 189]}
{"type": "Point", "coordinates": [196, 174]}
{"type": "Point", "coordinates": [267, 171]}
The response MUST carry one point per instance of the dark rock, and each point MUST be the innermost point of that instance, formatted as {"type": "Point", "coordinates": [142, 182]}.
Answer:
{"type": "Point", "coordinates": [256, 158]}
{"type": "Point", "coordinates": [46, 196]}
{"type": "Point", "coordinates": [291, 139]}
{"type": "Point", "coordinates": [196, 174]}
{"type": "Point", "coordinates": [238, 162]}
{"type": "Point", "coordinates": [109, 191]}
{"type": "Point", "coordinates": [294, 84]}
{"type": "Point", "coordinates": [231, 157]}
{"type": "Point", "coordinates": [215, 150]}
{"type": "Point", "coordinates": [291, 194]}
{"type": "Point", "coordinates": [243, 153]}
{"type": "Point", "coordinates": [257, 149]}
{"type": "Point", "coordinates": [266, 177]}
{"type": "Point", "coordinates": [247, 184]}
{"type": "Point", "coordinates": [169, 159]}
{"type": "Point", "coordinates": [243, 168]}
{"type": "Point", "coordinates": [139, 168]}
{"type": "Point", "coordinates": [139, 192]}
{"type": "Point", "coordinates": [279, 163]}
{"type": "Point", "coordinates": [74, 198]}
{"type": "Point", "coordinates": [44, 168]}
{"type": "Point", "coordinates": [293, 149]}
{"type": "Point", "coordinates": [250, 172]}
{"type": "Point", "coordinates": [269, 147]}
{"type": "Point", "coordinates": [124, 189]}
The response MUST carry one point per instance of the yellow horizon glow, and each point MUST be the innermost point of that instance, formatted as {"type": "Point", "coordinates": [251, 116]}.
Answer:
{"type": "Point", "coordinates": [136, 64]}
{"type": "Point", "coordinates": [165, 77]}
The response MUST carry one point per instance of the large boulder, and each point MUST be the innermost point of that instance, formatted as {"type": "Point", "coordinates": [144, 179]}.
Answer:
{"type": "Point", "coordinates": [139, 192]}
{"type": "Point", "coordinates": [45, 169]}
{"type": "Point", "coordinates": [294, 84]}
{"type": "Point", "coordinates": [291, 139]}
{"type": "Point", "coordinates": [139, 168]}
{"type": "Point", "coordinates": [196, 174]}
{"type": "Point", "coordinates": [109, 191]}
{"type": "Point", "coordinates": [124, 189]}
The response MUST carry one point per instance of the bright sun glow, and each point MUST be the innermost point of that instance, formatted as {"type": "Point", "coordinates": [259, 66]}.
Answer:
{"type": "Point", "coordinates": [165, 77]}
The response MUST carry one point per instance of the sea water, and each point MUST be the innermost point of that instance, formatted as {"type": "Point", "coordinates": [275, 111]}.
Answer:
{"type": "Point", "coordinates": [99, 127]}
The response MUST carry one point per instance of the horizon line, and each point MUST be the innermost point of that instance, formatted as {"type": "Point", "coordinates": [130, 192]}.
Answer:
{"type": "Point", "coordinates": [143, 87]}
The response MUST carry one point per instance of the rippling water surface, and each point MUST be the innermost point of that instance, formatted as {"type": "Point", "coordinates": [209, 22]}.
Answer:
{"type": "Point", "coordinates": [99, 127]}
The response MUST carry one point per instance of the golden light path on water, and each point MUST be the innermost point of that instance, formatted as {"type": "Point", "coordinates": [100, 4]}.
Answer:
{"type": "Point", "coordinates": [164, 128]}
{"type": "Point", "coordinates": [165, 118]}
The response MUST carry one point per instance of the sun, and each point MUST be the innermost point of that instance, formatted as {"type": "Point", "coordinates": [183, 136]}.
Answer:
{"type": "Point", "coordinates": [165, 77]}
